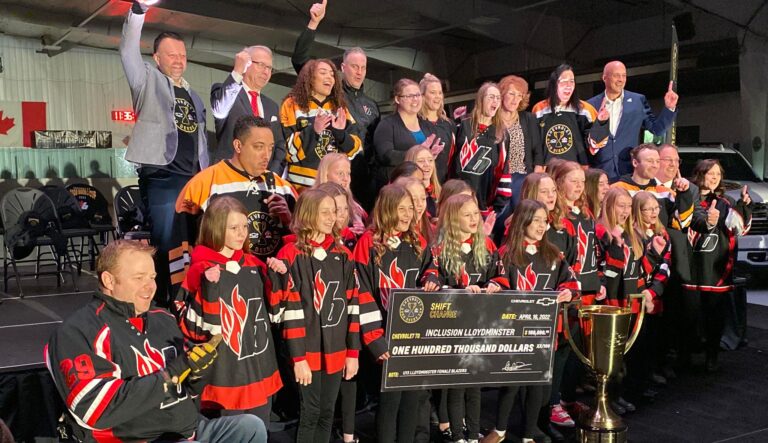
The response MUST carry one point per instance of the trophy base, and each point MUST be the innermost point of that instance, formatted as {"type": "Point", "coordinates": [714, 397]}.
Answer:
{"type": "Point", "coordinates": [602, 436]}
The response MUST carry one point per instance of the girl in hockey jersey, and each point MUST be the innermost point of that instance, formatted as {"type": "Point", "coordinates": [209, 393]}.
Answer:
{"type": "Point", "coordinates": [595, 187]}
{"type": "Point", "coordinates": [655, 270]}
{"type": "Point", "coordinates": [227, 292]}
{"type": "Point", "coordinates": [320, 320]}
{"type": "Point", "coordinates": [423, 222]}
{"type": "Point", "coordinates": [717, 222]}
{"type": "Point", "coordinates": [530, 262]}
{"type": "Point", "coordinates": [480, 151]}
{"type": "Point", "coordinates": [463, 258]}
{"type": "Point", "coordinates": [316, 122]}
{"type": "Point", "coordinates": [391, 254]}
{"type": "Point", "coordinates": [569, 126]}
{"type": "Point", "coordinates": [336, 168]}
{"type": "Point", "coordinates": [348, 390]}
{"type": "Point", "coordinates": [423, 157]}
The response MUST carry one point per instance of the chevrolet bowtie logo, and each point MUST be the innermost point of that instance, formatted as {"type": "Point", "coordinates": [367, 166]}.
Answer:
{"type": "Point", "coordinates": [546, 301]}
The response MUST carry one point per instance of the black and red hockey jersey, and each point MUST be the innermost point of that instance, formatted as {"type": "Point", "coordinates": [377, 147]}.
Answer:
{"type": "Point", "coordinates": [656, 268]}
{"type": "Point", "coordinates": [400, 267]}
{"type": "Point", "coordinates": [106, 363]}
{"type": "Point", "coordinates": [581, 227]}
{"type": "Point", "coordinates": [238, 308]}
{"type": "Point", "coordinates": [319, 301]}
{"type": "Point", "coordinates": [537, 275]}
{"type": "Point", "coordinates": [479, 160]}
{"type": "Point", "coordinates": [621, 271]}
{"type": "Point", "coordinates": [469, 274]}
{"type": "Point", "coordinates": [714, 247]}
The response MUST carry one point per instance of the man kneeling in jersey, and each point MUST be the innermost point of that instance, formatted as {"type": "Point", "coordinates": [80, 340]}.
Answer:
{"type": "Point", "coordinates": [121, 368]}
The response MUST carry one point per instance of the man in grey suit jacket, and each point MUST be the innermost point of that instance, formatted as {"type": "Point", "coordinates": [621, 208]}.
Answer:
{"type": "Point", "coordinates": [240, 95]}
{"type": "Point", "coordinates": [168, 142]}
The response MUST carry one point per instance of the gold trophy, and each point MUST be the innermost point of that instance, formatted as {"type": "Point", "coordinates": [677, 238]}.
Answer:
{"type": "Point", "coordinates": [605, 330]}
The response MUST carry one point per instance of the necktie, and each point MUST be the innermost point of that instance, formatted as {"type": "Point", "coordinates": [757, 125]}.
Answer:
{"type": "Point", "coordinates": [254, 103]}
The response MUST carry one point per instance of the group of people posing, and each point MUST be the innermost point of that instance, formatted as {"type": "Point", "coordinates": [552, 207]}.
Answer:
{"type": "Point", "coordinates": [277, 256]}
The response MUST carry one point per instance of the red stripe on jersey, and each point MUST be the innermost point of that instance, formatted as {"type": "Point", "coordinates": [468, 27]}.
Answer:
{"type": "Point", "coordinates": [241, 397]}
{"type": "Point", "coordinates": [111, 391]}
{"type": "Point", "coordinates": [290, 333]}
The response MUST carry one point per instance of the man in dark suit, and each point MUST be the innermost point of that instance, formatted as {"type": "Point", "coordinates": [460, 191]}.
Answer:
{"type": "Point", "coordinates": [239, 95]}
{"type": "Point", "coordinates": [629, 112]}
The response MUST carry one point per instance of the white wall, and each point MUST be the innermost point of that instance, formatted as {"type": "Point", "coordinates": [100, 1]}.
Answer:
{"type": "Point", "coordinates": [82, 86]}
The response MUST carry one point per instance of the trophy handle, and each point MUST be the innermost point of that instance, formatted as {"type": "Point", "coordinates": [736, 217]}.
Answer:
{"type": "Point", "coordinates": [639, 323]}
{"type": "Point", "coordinates": [567, 330]}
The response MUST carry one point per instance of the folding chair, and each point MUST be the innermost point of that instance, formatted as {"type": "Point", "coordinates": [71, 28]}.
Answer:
{"type": "Point", "coordinates": [95, 209]}
{"type": "Point", "coordinates": [73, 224]}
{"type": "Point", "coordinates": [31, 222]}
{"type": "Point", "coordinates": [131, 215]}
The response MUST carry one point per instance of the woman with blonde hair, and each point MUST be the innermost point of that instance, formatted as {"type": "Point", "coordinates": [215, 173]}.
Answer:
{"type": "Point", "coordinates": [433, 110]}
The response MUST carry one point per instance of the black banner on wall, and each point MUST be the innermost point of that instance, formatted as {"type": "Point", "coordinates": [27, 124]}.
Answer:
{"type": "Point", "coordinates": [73, 139]}
{"type": "Point", "coordinates": [453, 338]}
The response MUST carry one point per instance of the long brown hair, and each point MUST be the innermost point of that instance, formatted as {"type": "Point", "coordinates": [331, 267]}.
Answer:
{"type": "Point", "coordinates": [384, 220]}
{"type": "Point", "coordinates": [514, 250]}
{"type": "Point", "coordinates": [301, 93]}
{"type": "Point", "coordinates": [591, 189]}
{"type": "Point", "coordinates": [477, 112]}
{"type": "Point", "coordinates": [213, 226]}
{"type": "Point", "coordinates": [701, 169]}
{"type": "Point", "coordinates": [530, 190]}
{"type": "Point", "coordinates": [424, 225]}
{"type": "Point", "coordinates": [559, 171]}
{"type": "Point", "coordinates": [304, 221]}
{"type": "Point", "coordinates": [608, 219]}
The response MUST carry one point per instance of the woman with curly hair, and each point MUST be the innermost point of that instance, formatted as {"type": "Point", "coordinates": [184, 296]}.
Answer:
{"type": "Point", "coordinates": [316, 122]}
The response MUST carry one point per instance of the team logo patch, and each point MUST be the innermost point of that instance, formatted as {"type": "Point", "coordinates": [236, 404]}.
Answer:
{"type": "Point", "coordinates": [395, 279]}
{"type": "Point", "coordinates": [528, 280]}
{"type": "Point", "coordinates": [149, 360]}
{"type": "Point", "coordinates": [265, 233]}
{"type": "Point", "coordinates": [325, 145]}
{"type": "Point", "coordinates": [411, 309]}
{"type": "Point", "coordinates": [185, 116]}
{"type": "Point", "coordinates": [559, 139]}
{"type": "Point", "coordinates": [474, 158]}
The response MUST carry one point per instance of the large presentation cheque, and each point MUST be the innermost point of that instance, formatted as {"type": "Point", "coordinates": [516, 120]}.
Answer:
{"type": "Point", "coordinates": [452, 338]}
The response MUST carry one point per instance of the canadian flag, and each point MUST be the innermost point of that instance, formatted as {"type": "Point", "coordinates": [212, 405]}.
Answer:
{"type": "Point", "coordinates": [19, 120]}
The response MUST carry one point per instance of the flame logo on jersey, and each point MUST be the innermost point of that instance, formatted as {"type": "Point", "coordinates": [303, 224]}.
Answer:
{"type": "Point", "coordinates": [395, 279]}
{"type": "Point", "coordinates": [527, 280]}
{"type": "Point", "coordinates": [232, 320]}
{"type": "Point", "coordinates": [472, 157]}
{"type": "Point", "coordinates": [463, 276]}
{"type": "Point", "coordinates": [149, 361]}
{"type": "Point", "coordinates": [319, 291]}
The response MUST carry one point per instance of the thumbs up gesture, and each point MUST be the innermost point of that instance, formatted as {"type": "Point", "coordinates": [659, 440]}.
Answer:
{"type": "Point", "coordinates": [670, 98]}
{"type": "Point", "coordinates": [745, 195]}
{"type": "Point", "coordinates": [713, 215]}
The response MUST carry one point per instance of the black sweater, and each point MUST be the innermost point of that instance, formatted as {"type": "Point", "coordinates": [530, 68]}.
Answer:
{"type": "Point", "coordinates": [391, 140]}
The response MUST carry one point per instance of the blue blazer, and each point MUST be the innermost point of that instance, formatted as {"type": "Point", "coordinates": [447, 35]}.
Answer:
{"type": "Point", "coordinates": [636, 114]}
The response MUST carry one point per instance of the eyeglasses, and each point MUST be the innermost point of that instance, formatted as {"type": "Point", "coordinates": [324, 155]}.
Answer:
{"type": "Point", "coordinates": [410, 96]}
{"type": "Point", "coordinates": [494, 97]}
{"type": "Point", "coordinates": [261, 65]}
{"type": "Point", "coordinates": [650, 210]}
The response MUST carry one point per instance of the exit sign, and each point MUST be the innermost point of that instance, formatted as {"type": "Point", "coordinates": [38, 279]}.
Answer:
{"type": "Point", "coordinates": [123, 116]}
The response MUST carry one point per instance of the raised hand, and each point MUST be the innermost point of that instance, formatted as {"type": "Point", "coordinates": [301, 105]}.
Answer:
{"type": "Point", "coordinates": [603, 114]}
{"type": "Point", "coordinates": [242, 62]}
{"type": "Point", "coordinates": [316, 14]}
{"type": "Point", "coordinates": [745, 195]}
{"type": "Point", "coordinates": [617, 234]}
{"type": "Point", "coordinates": [339, 119]}
{"type": "Point", "coordinates": [459, 112]}
{"type": "Point", "coordinates": [670, 98]}
{"type": "Point", "coordinates": [322, 121]}
{"type": "Point", "coordinates": [658, 243]}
